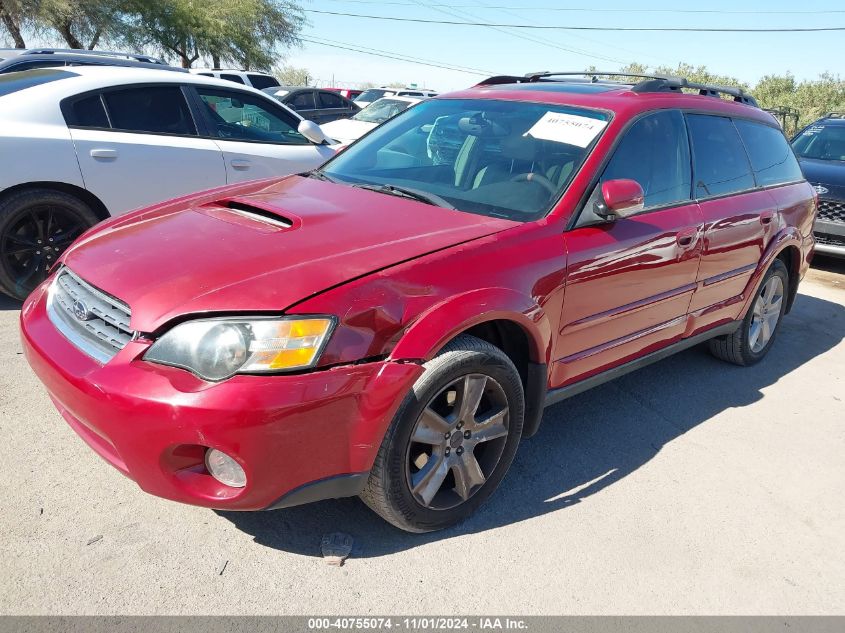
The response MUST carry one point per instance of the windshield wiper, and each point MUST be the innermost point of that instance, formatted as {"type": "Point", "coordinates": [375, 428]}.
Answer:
{"type": "Point", "coordinates": [407, 192]}
{"type": "Point", "coordinates": [319, 175]}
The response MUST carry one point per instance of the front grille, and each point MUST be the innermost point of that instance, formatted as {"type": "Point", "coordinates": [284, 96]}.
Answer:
{"type": "Point", "coordinates": [831, 210]}
{"type": "Point", "coordinates": [89, 318]}
{"type": "Point", "coordinates": [829, 240]}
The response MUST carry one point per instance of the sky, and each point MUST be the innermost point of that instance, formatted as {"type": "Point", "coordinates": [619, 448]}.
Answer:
{"type": "Point", "coordinates": [747, 56]}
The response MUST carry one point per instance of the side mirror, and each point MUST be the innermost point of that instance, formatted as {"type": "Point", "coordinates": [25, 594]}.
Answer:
{"type": "Point", "coordinates": [312, 132]}
{"type": "Point", "coordinates": [619, 199]}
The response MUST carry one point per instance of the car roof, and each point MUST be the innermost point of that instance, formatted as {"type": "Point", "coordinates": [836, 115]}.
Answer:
{"type": "Point", "coordinates": [229, 70]}
{"type": "Point", "coordinates": [608, 96]}
{"type": "Point", "coordinates": [79, 79]}
{"type": "Point", "coordinates": [82, 58]}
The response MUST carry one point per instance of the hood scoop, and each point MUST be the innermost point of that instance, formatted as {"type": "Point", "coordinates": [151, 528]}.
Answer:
{"type": "Point", "coordinates": [237, 211]}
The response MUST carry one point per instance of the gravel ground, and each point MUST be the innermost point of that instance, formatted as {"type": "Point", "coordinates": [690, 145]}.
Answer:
{"type": "Point", "coordinates": [689, 487]}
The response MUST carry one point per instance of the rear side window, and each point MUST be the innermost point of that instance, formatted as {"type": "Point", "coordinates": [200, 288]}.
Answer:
{"type": "Point", "coordinates": [301, 101]}
{"type": "Point", "coordinates": [236, 78]}
{"type": "Point", "coordinates": [155, 110]}
{"type": "Point", "coordinates": [262, 81]}
{"type": "Point", "coordinates": [330, 100]}
{"type": "Point", "coordinates": [87, 112]}
{"type": "Point", "coordinates": [206, 74]}
{"type": "Point", "coordinates": [721, 164]}
{"type": "Point", "coordinates": [655, 153]}
{"type": "Point", "coordinates": [770, 154]}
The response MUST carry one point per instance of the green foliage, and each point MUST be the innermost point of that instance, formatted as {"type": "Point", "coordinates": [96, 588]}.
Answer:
{"type": "Point", "coordinates": [243, 33]}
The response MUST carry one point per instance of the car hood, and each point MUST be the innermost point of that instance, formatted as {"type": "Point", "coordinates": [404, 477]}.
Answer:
{"type": "Point", "coordinates": [346, 130]}
{"type": "Point", "coordinates": [830, 173]}
{"type": "Point", "coordinates": [261, 247]}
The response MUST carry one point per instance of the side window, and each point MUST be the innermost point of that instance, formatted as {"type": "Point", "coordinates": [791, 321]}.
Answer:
{"type": "Point", "coordinates": [206, 74]}
{"type": "Point", "coordinates": [301, 101]}
{"type": "Point", "coordinates": [721, 164]}
{"type": "Point", "coordinates": [331, 100]}
{"type": "Point", "coordinates": [655, 153]}
{"type": "Point", "coordinates": [240, 116]}
{"type": "Point", "coordinates": [770, 153]}
{"type": "Point", "coordinates": [154, 109]}
{"type": "Point", "coordinates": [259, 82]}
{"type": "Point", "coordinates": [87, 112]}
{"type": "Point", "coordinates": [228, 77]}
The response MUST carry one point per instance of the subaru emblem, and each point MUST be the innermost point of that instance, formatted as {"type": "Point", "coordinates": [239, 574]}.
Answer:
{"type": "Point", "coordinates": [820, 189]}
{"type": "Point", "coordinates": [80, 310]}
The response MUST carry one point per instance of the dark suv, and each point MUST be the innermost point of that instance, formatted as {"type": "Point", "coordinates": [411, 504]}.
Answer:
{"type": "Point", "coordinates": [820, 148]}
{"type": "Point", "coordinates": [17, 60]}
{"type": "Point", "coordinates": [392, 324]}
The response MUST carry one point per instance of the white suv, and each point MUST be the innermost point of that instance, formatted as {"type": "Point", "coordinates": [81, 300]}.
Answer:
{"type": "Point", "coordinates": [84, 143]}
{"type": "Point", "coordinates": [371, 94]}
{"type": "Point", "coordinates": [256, 80]}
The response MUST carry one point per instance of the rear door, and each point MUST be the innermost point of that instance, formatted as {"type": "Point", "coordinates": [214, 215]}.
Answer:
{"type": "Point", "coordinates": [629, 281]}
{"type": "Point", "coordinates": [740, 218]}
{"type": "Point", "coordinates": [257, 136]}
{"type": "Point", "coordinates": [304, 104]}
{"type": "Point", "coordinates": [139, 145]}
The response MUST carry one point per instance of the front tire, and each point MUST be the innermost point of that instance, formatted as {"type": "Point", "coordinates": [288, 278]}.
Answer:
{"type": "Point", "coordinates": [754, 337]}
{"type": "Point", "coordinates": [36, 226]}
{"type": "Point", "coordinates": [451, 441]}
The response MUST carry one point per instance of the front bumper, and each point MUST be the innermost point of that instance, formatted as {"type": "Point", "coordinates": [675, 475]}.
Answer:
{"type": "Point", "coordinates": [294, 435]}
{"type": "Point", "coordinates": [830, 237]}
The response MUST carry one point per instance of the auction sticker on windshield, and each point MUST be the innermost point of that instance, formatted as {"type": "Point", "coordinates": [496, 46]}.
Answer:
{"type": "Point", "coordinates": [566, 128]}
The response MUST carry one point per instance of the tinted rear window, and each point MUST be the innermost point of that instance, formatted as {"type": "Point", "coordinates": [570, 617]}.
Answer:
{"type": "Point", "coordinates": [770, 154]}
{"type": "Point", "coordinates": [155, 110]}
{"type": "Point", "coordinates": [15, 82]}
{"type": "Point", "coordinates": [721, 164]}
{"type": "Point", "coordinates": [236, 78]}
{"type": "Point", "coordinates": [331, 100]}
{"type": "Point", "coordinates": [262, 81]}
{"type": "Point", "coordinates": [87, 112]}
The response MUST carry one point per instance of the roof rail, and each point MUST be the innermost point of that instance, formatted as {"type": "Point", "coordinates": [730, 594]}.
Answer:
{"type": "Point", "coordinates": [149, 59]}
{"type": "Point", "coordinates": [649, 83]}
{"type": "Point", "coordinates": [835, 115]}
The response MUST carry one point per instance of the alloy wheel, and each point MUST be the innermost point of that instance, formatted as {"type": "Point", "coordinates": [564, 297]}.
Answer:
{"type": "Point", "coordinates": [457, 441]}
{"type": "Point", "coordinates": [765, 314]}
{"type": "Point", "coordinates": [32, 243]}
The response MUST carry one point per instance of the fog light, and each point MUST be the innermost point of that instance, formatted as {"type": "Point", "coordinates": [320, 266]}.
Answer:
{"type": "Point", "coordinates": [225, 469]}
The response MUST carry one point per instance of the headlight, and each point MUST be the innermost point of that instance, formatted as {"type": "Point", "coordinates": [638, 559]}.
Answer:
{"type": "Point", "coordinates": [215, 349]}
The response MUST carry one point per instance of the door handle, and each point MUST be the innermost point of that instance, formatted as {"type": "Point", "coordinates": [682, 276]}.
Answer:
{"type": "Point", "coordinates": [103, 154]}
{"type": "Point", "coordinates": [687, 237]}
{"type": "Point", "coordinates": [240, 164]}
{"type": "Point", "coordinates": [766, 217]}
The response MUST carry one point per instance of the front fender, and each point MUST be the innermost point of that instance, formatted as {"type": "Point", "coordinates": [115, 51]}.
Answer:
{"type": "Point", "coordinates": [442, 322]}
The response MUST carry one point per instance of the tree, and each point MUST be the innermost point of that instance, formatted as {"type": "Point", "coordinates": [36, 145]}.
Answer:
{"type": "Point", "coordinates": [242, 32]}
{"type": "Point", "coordinates": [292, 76]}
{"type": "Point", "coordinates": [85, 23]}
{"type": "Point", "coordinates": [13, 16]}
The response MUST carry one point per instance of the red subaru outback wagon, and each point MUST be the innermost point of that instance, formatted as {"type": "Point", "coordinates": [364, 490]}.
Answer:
{"type": "Point", "coordinates": [392, 324]}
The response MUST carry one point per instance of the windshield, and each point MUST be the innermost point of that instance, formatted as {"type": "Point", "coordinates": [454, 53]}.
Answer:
{"type": "Point", "coordinates": [820, 141]}
{"type": "Point", "coordinates": [505, 159]}
{"type": "Point", "coordinates": [17, 81]}
{"type": "Point", "coordinates": [381, 110]}
{"type": "Point", "coordinates": [372, 94]}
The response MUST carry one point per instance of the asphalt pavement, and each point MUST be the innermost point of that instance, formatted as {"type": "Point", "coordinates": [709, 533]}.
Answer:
{"type": "Point", "coordinates": [688, 487]}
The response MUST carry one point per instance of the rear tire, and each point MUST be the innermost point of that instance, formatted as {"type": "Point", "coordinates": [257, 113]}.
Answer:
{"type": "Point", "coordinates": [755, 335]}
{"type": "Point", "coordinates": [36, 226]}
{"type": "Point", "coordinates": [451, 441]}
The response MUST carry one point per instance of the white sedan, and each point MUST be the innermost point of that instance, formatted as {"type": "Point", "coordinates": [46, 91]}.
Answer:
{"type": "Point", "coordinates": [345, 131]}
{"type": "Point", "coordinates": [80, 144]}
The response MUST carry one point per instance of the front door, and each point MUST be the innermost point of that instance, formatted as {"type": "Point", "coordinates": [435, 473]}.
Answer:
{"type": "Point", "coordinates": [257, 137]}
{"type": "Point", "coordinates": [629, 281]}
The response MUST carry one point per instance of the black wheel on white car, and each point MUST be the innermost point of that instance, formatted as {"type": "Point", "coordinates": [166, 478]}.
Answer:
{"type": "Point", "coordinates": [452, 439]}
{"type": "Point", "coordinates": [36, 226]}
{"type": "Point", "coordinates": [754, 337]}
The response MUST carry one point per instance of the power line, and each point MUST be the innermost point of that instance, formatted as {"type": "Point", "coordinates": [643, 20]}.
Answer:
{"type": "Point", "coordinates": [522, 36]}
{"type": "Point", "coordinates": [410, 60]}
{"type": "Point", "coordinates": [649, 29]}
{"type": "Point", "coordinates": [603, 10]}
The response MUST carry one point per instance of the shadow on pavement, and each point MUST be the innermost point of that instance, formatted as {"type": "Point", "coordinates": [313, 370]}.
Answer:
{"type": "Point", "coordinates": [584, 445]}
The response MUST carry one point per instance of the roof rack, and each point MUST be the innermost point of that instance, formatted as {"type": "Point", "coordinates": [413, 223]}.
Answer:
{"type": "Point", "coordinates": [149, 59]}
{"type": "Point", "coordinates": [649, 83]}
{"type": "Point", "coordinates": [835, 115]}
